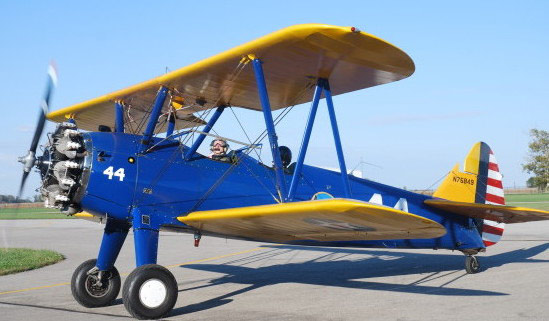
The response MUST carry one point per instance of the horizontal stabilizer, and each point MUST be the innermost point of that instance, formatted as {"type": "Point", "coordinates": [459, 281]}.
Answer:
{"type": "Point", "coordinates": [497, 213]}
{"type": "Point", "coordinates": [320, 220]}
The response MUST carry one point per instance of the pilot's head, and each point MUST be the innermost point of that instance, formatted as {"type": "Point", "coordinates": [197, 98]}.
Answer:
{"type": "Point", "coordinates": [285, 155]}
{"type": "Point", "coordinates": [219, 147]}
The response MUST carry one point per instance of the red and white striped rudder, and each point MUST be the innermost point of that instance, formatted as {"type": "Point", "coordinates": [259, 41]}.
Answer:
{"type": "Point", "coordinates": [492, 231]}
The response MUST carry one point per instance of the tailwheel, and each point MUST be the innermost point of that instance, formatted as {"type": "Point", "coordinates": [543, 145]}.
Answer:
{"type": "Point", "coordinates": [149, 292]}
{"type": "Point", "coordinates": [472, 265]}
{"type": "Point", "coordinates": [93, 288]}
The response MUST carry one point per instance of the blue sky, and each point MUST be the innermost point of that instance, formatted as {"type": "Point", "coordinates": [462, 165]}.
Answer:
{"type": "Point", "coordinates": [481, 74]}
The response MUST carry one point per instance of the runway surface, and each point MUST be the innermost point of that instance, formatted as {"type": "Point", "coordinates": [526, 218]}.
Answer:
{"type": "Point", "coordinates": [238, 280]}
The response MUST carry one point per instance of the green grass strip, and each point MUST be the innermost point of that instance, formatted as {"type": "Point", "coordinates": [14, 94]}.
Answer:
{"type": "Point", "coordinates": [31, 213]}
{"type": "Point", "coordinates": [527, 197]}
{"type": "Point", "coordinates": [539, 201]}
{"type": "Point", "coordinates": [13, 260]}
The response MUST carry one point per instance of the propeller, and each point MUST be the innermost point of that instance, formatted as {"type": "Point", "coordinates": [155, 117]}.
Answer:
{"type": "Point", "coordinates": [29, 159]}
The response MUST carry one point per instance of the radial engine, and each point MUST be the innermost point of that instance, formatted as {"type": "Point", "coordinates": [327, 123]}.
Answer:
{"type": "Point", "coordinates": [64, 168]}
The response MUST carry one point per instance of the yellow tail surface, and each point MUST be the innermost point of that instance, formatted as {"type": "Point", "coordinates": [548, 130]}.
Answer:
{"type": "Point", "coordinates": [480, 182]}
{"type": "Point", "coordinates": [458, 186]}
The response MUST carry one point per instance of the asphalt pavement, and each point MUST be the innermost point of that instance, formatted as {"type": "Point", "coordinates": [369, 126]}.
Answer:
{"type": "Point", "coordinates": [238, 280]}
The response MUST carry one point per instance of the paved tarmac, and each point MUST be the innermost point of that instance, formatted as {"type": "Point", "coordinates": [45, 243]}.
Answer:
{"type": "Point", "coordinates": [238, 280]}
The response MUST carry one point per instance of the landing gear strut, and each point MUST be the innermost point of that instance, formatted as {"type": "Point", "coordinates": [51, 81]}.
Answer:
{"type": "Point", "coordinates": [472, 265]}
{"type": "Point", "coordinates": [93, 288]}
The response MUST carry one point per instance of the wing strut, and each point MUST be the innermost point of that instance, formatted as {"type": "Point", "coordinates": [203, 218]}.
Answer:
{"type": "Point", "coordinates": [153, 118]}
{"type": "Point", "coordinates": [322, 86]}
{"type": "Point", "coordinates": [305, 142]}
{"type": "Point", "coordinates": [119, 117]}
{"type": "Point", "coordinates": [271, 131]}
{"type": "Point", "coordinates": [342, 168]}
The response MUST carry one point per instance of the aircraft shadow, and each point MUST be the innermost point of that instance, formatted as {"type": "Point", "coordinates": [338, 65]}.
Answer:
{"type": "Point", "coordinates": [335, 269]}
{"type": "Point", "coordinates": [76, 312]}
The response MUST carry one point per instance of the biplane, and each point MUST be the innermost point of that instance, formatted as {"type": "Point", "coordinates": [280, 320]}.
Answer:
{"type": "Point", "coordinates": [130, 159]}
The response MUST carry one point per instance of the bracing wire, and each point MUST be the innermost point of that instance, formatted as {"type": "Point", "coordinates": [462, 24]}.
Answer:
{"type": "Point", "coordinates": [238, 69]}
{"type": "Point", "coordinates": [437, 181]}
{"type": "Point", "coordinates": [244, 131]}
{"type": "Point", "coordinates": [258, 140]}
{"type": "Point", "coordinates": [278, 119]}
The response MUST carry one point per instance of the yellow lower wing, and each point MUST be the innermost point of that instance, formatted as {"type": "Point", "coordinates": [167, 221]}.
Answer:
{"type": "Point", "coordinates": [88, 217]}
{"type": "Point", "coordinates": [498, 213]}
{"type": "Point", "coordinates": [320, 220]}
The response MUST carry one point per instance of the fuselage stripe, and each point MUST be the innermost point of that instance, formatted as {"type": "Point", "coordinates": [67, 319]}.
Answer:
{"type": "Point", "coordinates": [490, 237]}
{"type": "Point", "coordinates": [495, 199]}
{"type": "Point", "coordinates": [495, 175]}
{"type": "Point", "coordinates": [494, 191]}
{"type": "Point", "coordinates": [492, 230]}
{"type": "Point", "coordinates": [494, 183]}
{"type": "Point", "coordinates": [482, 173]}
{"type": "Point", "coordinates": [493, 223]}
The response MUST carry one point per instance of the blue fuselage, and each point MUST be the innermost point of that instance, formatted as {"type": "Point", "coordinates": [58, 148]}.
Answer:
{"type": "Point", "coordinates": [164, 185]}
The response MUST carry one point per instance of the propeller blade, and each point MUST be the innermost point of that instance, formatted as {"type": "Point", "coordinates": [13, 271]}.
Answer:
{"type": "Point", "coordinates": [44, 106]}
{"type": "Point", "coordinates": [22, 185]}
{"type": "Point", "coordinates": [29, 160]}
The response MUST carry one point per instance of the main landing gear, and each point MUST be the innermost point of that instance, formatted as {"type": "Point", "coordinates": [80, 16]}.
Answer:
{"type": "Point", "coordinates": [150, 292]}
{"type": "Point", "coordinates": [93, 288]}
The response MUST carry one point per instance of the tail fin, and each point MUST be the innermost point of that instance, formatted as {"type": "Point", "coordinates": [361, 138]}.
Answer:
{"type": "Point", "coordinates": [481, 182]}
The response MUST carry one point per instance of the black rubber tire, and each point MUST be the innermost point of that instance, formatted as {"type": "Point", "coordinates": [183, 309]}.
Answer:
{"type": "Point", "coordinates": [472, 265]}
{"type": "Point", "coordinates": [82, 291]}
{"type": "Point", "coordinates": [132, 287]}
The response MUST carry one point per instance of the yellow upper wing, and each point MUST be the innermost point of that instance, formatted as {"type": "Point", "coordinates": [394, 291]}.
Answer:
{"type": "Point", "coordinates": [293, 58]}
{"type": "Point", "coordinates": [497, 213]}
{"type": "Point", "coordinates": [321, 220]}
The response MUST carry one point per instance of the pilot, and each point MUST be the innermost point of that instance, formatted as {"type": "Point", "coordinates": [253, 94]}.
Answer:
{"type": "Point", "coordinates": [285, 156]}
{"type": "Point", "coordinates": [219, 148]}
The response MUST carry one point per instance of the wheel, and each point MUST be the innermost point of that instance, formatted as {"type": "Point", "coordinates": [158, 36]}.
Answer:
{"type": "Point", "coordinates": [149, 292]}
{"type": "Point", "coordinates": [471, 264]}
{"type": "Point", "coordinates": [92, 290]}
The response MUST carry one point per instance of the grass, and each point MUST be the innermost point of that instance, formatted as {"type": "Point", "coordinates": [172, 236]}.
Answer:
{"type": "Point", "coordinates": [19, 260]}
{"type": "Point", "coordinates": [30, 213]}
{"type": "Point", "coordinates": [539, 201]}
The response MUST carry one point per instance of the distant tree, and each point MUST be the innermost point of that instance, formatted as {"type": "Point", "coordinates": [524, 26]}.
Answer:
{"type": "Point", "coordinates": [7, 198]}
{"type": "Point", "coordinates": [531, 182]}
{"type": "Point", "coordinates": [538, 159]}
{"type": "Point", "coordinates": [37, 198]}
{"type": "Point", "coordinates": [13, 199]}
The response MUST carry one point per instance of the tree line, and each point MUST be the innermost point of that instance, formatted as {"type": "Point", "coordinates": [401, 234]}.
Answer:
{"type": "Point", "coordinates": [14, 199]}
{"type": "Point", "coordinates": [538, 160]}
